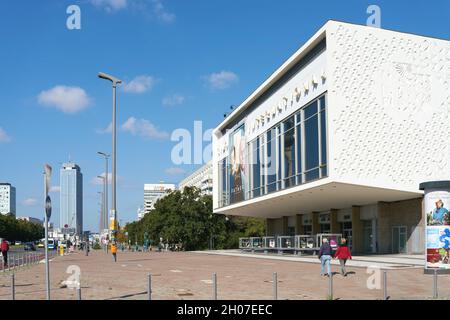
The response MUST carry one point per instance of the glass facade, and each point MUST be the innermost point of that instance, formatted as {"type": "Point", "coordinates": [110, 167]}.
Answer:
{"type": "Point", "coordinates": [290, 153]}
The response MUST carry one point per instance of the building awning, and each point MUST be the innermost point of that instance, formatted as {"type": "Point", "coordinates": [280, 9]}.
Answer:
{"type": "Point", "coordinates": [320, 197]}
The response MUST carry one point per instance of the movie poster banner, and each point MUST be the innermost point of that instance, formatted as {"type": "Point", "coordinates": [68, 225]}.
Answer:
{"type": "Point", "coordinates": [437, 204]}
{"type": "Point", "coordinates": [238, 175]}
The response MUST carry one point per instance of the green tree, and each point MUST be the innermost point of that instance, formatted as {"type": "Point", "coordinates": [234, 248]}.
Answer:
{"type": "Point", "coordinates": [186, 219]}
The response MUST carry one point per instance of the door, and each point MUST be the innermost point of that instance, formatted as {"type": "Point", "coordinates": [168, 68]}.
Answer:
{"type": "Point", "coordinates": [399, 239]}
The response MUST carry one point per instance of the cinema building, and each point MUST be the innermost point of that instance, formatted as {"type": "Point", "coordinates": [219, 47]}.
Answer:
{"type": "Point", "coordinates": [338, 139]}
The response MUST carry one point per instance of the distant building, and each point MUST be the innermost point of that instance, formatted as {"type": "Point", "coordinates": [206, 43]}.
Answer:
{"type": "Point", "coordinates": [153, 192]}
{"type": "Point", "coordinates": [140, 213]}
{"type": "Point", "coordinates": [71, 197]}
{"type": "Point", "coordinates": [7, 199]}
{"type": "Point", "coordinates": [201, 178]}
{"type": "Point", "coordinates": [32, 220]}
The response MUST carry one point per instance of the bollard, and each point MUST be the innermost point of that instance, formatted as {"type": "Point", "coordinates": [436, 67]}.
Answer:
{"type": "Point", "coordinates": [149, 286]}
{"type": "Point", "coordinates": [435, 284]}
{"type": "Point", "coordinates": [275, 286]}
{"type": "Point", "coordinates": [214, 286]}
{"type": "Point", "coordinates": [385, 296]}
{"type": "Point", "coordinates": [79, 292]}
{"type": "Point", "coordinates": [13, 288]}
{"type": "Point", "coordinates": [330, 287]}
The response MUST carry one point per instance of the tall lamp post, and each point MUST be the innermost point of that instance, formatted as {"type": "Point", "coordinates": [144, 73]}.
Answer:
{"type": "Point", "coordinates": [113, 214]}
{"type": "Point", "coordinates": [102, 208]}
{"type": "Point", "coordinates": [105, 219]}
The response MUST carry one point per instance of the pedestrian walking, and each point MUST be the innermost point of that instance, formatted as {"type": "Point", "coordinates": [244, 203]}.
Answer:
{"type": "Point", "coordinates": [325, 254]}
{"type": "Point", "coordinates": [114, 251]}
{"type": "Point", "coordinates": [4, 248]}
{"type": "Point", "coordinates": [343, 254]}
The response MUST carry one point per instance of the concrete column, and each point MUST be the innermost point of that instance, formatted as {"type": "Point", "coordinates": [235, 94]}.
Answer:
{"type": "Point", "coordinates": [334, 224]}
{"type": "Point", "coordinates": [298, 224]}
{"type": "Point", "coordinates": [315, 223]}
{"type": "Point", "coordinates": [270, 227]}
{"type": "Point", "coordinates": [285, 225]}
{"type": "Point", "coordinates": [357, 231]}
{"type": "Point", "coordinates": [384, 235]}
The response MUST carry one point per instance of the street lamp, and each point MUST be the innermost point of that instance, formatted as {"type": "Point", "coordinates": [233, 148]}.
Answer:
{"type": "Point", "coordinates": [102, 209]}
{"type": "Point", "coordinates": [105, 219]}
{"type": "Point", "coordinates": [115, 82]}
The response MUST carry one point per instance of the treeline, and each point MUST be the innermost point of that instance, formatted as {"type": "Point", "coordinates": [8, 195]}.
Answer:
{"type": "Point", "coordinates": [185, 219]}
{"type": "Point", "coordinates": [12, 229]}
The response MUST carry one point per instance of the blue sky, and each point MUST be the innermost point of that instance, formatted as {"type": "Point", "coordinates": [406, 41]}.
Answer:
{"type": "Point", "coordinates": [180, 60]}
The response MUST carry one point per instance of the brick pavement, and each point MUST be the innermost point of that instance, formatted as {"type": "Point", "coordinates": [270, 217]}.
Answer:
{"type": "Point", "coordinates": [188, 276]}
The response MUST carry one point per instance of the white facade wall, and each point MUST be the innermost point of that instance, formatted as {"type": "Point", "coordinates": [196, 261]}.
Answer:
{"type": "Point", "coordinates": [389, 107]}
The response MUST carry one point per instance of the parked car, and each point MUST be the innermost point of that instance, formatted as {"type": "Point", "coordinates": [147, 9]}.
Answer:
{"type": "Point", "coordinates": [17, 243]}
{"type": "Point", "coordinates": [29, 246]}
{"type": "Point", "coordinates": [41, 245]}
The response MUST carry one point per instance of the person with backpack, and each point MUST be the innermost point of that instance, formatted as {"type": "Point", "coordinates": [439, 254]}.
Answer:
{"type": "Point", "coordinates": [343, 254]}
{"type": "Point", "coordinates": [325, 254]}
{"type": "Point", "coordinates": [4, 248]}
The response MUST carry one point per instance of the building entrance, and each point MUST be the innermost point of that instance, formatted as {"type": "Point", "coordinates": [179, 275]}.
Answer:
{"type": "Point", "coordinates": [399, 239]}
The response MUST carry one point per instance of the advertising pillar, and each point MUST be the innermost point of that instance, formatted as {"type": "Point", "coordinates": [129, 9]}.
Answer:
{"type": "Point", "coordinates": [437, 224]}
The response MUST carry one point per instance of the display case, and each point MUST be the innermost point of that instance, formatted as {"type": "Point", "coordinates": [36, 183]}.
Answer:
{"type": "Point", "coordinates": [269, 242]}
{"type": "Point", "coordinates": [256, 242]}
{"type": "Point", "coordinates": [286, 242]}
{"type": "Point", "coordinates": [305, 242]}
{"type": "Point", "coordinates": [244, 243]}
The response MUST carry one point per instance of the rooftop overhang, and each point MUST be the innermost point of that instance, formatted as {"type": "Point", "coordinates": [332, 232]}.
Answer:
{"type": "Point", "coordinates": [322, 196]}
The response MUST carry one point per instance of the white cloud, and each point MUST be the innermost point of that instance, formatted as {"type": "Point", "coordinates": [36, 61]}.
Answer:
{"type": "Point", "coordinates": [175, 171]}
{"type": "Point", "coordinates": [55, 189]}
{"type": "Point", "coordinates": [173, 100]}
{"type": "Point", "coordinates": [108, 129]}
{"type": "Point", "coordinates": [161, 13]}
{"type": "Point", "coordinates": [4, 137]}
{"type": "Point", "coordinates": [30, 202]}
{"type": "Point", "coordinates": [222, 80]}
{"type": "Point", "coordinates": [140, 84]}
{"type": "Point", "coordinates": [143, 128]}
{"type": "Point", "coordinates": [110, 5]}
{"type": "Point", "coordinates": [66, 99]}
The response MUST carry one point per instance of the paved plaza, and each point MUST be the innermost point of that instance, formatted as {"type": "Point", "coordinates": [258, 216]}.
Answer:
{"type": "Point", "coordinates": [189, 276]}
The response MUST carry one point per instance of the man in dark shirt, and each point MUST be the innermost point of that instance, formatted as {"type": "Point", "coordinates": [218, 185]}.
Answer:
{"type": "Point", "coordinates": [325, 256]}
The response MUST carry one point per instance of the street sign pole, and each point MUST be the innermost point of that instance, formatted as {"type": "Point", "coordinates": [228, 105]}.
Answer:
{"type": "Point", "coordinates": [48, 213]}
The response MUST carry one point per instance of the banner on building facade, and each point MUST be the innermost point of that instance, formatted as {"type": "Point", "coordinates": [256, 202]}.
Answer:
{"type": "Point", "coordinates": [238, 175]}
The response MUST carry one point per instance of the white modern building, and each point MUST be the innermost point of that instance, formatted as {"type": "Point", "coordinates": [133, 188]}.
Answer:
{"type": "Point", "coordinates": [153, 192]}
{"type": "Point", "coordinates": [7, 199]}
{"type": "Point", "coordinates": [71, 198]}
{"type": "Point", "coordinates": [32, 220]}
{"type": "Point", "coordinates": [338, 139]}
{"type": "Point", "coordinates": [200, 178]}
{"type": "Point", "coordinates": [140, 213]}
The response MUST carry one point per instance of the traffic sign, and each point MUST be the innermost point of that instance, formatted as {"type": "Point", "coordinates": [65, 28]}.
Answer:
{"type": "Point", "coordinates": [48, 207]}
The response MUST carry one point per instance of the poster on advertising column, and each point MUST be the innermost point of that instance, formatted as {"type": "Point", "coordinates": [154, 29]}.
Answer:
{"type": "Point", "coordinates": [237, 165]}
{"type": "Point", "coordinates": [437, 206]}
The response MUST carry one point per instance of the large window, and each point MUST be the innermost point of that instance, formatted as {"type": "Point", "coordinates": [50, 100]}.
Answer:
{"type": "Point", "coordinates": [271, 167]}
{"type": "Point", "coordinates": [223, 183]}
{"type": "Point", "coordinates": [255, 169]}
{"type": "Point", "coordinates": [291, 153]}
{"type": "Point", "coordinates": [311, 141]}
